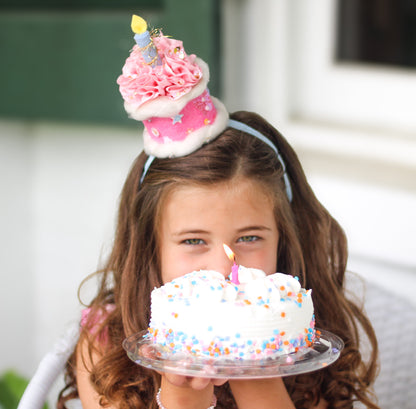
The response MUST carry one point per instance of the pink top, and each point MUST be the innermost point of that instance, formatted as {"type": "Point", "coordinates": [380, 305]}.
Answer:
{"type": "Point", "coordinates": [93, 318]}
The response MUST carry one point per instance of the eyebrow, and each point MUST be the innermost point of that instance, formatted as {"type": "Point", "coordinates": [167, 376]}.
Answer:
{"type": "Point", "coordinates": [185, 232]}
{"type": "Point", "coordinates": [253, 228]}
{"type": "Point", "coordinates": [239, 231]}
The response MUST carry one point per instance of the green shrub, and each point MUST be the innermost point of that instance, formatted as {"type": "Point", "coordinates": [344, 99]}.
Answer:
{"type": "Point", "coordinates": [12, 386]}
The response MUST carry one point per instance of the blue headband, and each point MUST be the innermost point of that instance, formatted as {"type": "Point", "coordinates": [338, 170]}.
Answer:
{"type": "Point", "coordinates": [240, 126]}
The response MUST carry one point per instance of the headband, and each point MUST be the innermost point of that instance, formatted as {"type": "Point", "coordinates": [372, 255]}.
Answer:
{"type": "Point", "coordinates": [241, 126]}
{"type": "Point", "coordinates": [166, 89]}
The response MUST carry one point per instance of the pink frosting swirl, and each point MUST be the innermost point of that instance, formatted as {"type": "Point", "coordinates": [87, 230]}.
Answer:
{"type": "Point", "coordinates": [174, 78]}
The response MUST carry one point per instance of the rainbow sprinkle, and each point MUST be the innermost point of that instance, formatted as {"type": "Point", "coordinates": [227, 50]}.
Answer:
{"type": "Point", "coordinates": [202, 287]}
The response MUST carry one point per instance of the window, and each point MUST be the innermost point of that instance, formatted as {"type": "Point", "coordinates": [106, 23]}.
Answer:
{"type": "Point", "coordinates": [336, 86]}
{"type": "Point", "coordinates": [377, 32]}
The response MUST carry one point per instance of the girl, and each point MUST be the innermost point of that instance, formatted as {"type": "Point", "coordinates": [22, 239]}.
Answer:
{"type": "Point", "coordinates": [241, 185]}
{"type": "Point", "coordinates": [297, 237]}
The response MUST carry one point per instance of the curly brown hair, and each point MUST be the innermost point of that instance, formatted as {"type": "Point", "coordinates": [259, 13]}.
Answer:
{"type": "Point", "coordinates": [311, 246]}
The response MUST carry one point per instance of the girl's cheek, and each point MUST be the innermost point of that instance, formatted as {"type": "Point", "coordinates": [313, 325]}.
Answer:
{"type": "Point", "coordinates": [181, 265]}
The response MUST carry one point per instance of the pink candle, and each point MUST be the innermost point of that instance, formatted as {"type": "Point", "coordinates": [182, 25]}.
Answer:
{"type": "Point", "coordinates": [234, 268]}
{"type": "Point", "coordinates": [234, 273]}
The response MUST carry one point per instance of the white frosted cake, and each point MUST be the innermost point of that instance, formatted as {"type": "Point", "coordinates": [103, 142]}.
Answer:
{"type": "Point", "coordinates": [205, 314]}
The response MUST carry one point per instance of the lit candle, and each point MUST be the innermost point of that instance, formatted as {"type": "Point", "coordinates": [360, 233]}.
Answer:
{"type": "Point", "coordinates": [234, 268]}
{"type": "Point", "coordinates": [144, 41]}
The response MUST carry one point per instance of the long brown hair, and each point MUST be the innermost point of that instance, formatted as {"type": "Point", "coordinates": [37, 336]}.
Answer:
{"type": "Point", "coordinates": [311, 245]}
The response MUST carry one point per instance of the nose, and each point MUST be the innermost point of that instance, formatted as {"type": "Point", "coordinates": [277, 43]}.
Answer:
{"type": "Point", "coordinates": [220, 262]}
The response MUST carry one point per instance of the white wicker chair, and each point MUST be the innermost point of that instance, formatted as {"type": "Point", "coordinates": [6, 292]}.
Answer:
{"type": "Point", "coordinates": [49, 369]}
{"type": "Point", "coordinates": [394, 321]}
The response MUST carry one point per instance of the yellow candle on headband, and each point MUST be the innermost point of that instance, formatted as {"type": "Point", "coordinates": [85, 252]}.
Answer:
{"type": "Point", "coordinates": [138, 24]}
{"type": "Point", "coordinates": [144, 41]}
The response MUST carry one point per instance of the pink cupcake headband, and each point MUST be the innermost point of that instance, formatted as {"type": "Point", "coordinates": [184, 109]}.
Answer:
{"type": "Point", "coordinates": [167, 90]}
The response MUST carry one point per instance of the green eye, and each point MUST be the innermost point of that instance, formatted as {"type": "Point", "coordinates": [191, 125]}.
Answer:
{"type": "Point", "coordinates": [194, 242]}
{"type": "Point", "coordinates": [247, 239]}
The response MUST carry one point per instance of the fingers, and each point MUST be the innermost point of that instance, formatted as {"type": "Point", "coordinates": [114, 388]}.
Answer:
{"type": "Point", "coordinates": [177, 380]}
{"type": "Point", "coordinates": [196, 383]}
{"type": "Point", "coordinates": [219, 382]}
{"type": "Point", "coordinates": [147, 351]}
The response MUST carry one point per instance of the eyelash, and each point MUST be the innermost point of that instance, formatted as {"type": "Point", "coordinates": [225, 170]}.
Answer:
{"type": "Point", "coordinates": [248, 239]}
{"type": "Point", "coordinates": [193, 242]}
{"type": "Point", "coordinates": [243, 239]}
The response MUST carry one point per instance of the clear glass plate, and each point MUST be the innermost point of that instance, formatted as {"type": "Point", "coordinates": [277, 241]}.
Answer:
{"type": "Point", "coordinates": [324, 351]}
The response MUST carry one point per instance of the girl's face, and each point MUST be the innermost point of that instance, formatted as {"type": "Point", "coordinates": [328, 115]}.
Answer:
{"type": "Point", "coordinates": [196, 221]}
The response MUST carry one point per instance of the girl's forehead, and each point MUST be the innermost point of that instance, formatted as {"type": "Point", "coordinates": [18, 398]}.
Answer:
{"type": "Point", "coordinates": [227, 202]}
{"type": "Point", "coordinates": [240, 189]}
{"type": "Point", "coordinates": [235, 185]}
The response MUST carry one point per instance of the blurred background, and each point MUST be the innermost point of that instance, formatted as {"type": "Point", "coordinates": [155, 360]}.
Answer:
{"type": "Point", "coordinates": [336, 77]}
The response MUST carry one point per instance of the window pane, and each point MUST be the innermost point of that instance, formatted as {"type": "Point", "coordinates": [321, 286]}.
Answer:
{"type": "Point", "coordinates": [79, 4]}
{"type": "Point", "coordinates": [377, 31]}
{"type": "Point", "coordinates": [63, 64]}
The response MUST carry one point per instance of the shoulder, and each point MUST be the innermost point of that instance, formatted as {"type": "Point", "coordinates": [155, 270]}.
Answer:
{"type": "Point", "coordinates": [96, 356]}
{"type": "Point", "coordinates": [94, 337]}
{"type": "Point", "coordinates": [86, 357]}
{"type": "Point", "coordinates": [93, 343]}
{"type": "Point", "coordinates": [94, 334]}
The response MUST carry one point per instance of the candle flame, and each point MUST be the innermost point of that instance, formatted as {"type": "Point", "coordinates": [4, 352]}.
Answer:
{"type": "Point", "coordinates": [138, 24]}
{"type": "Point", "coordinates": [230, 254]}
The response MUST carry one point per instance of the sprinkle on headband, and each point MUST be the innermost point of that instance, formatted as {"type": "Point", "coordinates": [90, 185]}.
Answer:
{"type": "Point", "coordinates": [166, 89]}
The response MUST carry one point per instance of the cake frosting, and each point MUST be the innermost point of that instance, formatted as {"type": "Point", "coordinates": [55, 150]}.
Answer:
{"type": "Point", "coordinates": [204, 314]}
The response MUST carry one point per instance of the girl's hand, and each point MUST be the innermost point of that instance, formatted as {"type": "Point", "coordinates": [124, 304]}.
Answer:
{"type": "Point", "coordinates": [179, 391]}
{"type": "Point", "coordinates": [182, 392]}
{"type": "Point", "coordinates": [261, 394]}
{"type": "Point", "coordinates": [196, 383]}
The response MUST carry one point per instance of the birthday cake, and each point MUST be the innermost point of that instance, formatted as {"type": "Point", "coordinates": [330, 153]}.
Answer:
{"type": "Point", "coordinates": [205, 314]}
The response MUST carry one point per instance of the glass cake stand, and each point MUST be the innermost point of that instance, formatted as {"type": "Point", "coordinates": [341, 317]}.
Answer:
{"type": "Point", "coordinates": [324, 351]}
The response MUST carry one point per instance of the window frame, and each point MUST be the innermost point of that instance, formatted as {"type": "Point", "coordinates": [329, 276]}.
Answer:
{"type": "Point", "coordinates": [322, 89]}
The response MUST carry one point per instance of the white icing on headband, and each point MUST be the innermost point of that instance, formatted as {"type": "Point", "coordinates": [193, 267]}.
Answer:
{"type": "Point", "coordinates": [240, 126]}
{"type": "Point", "coordinates": [175, 106]}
